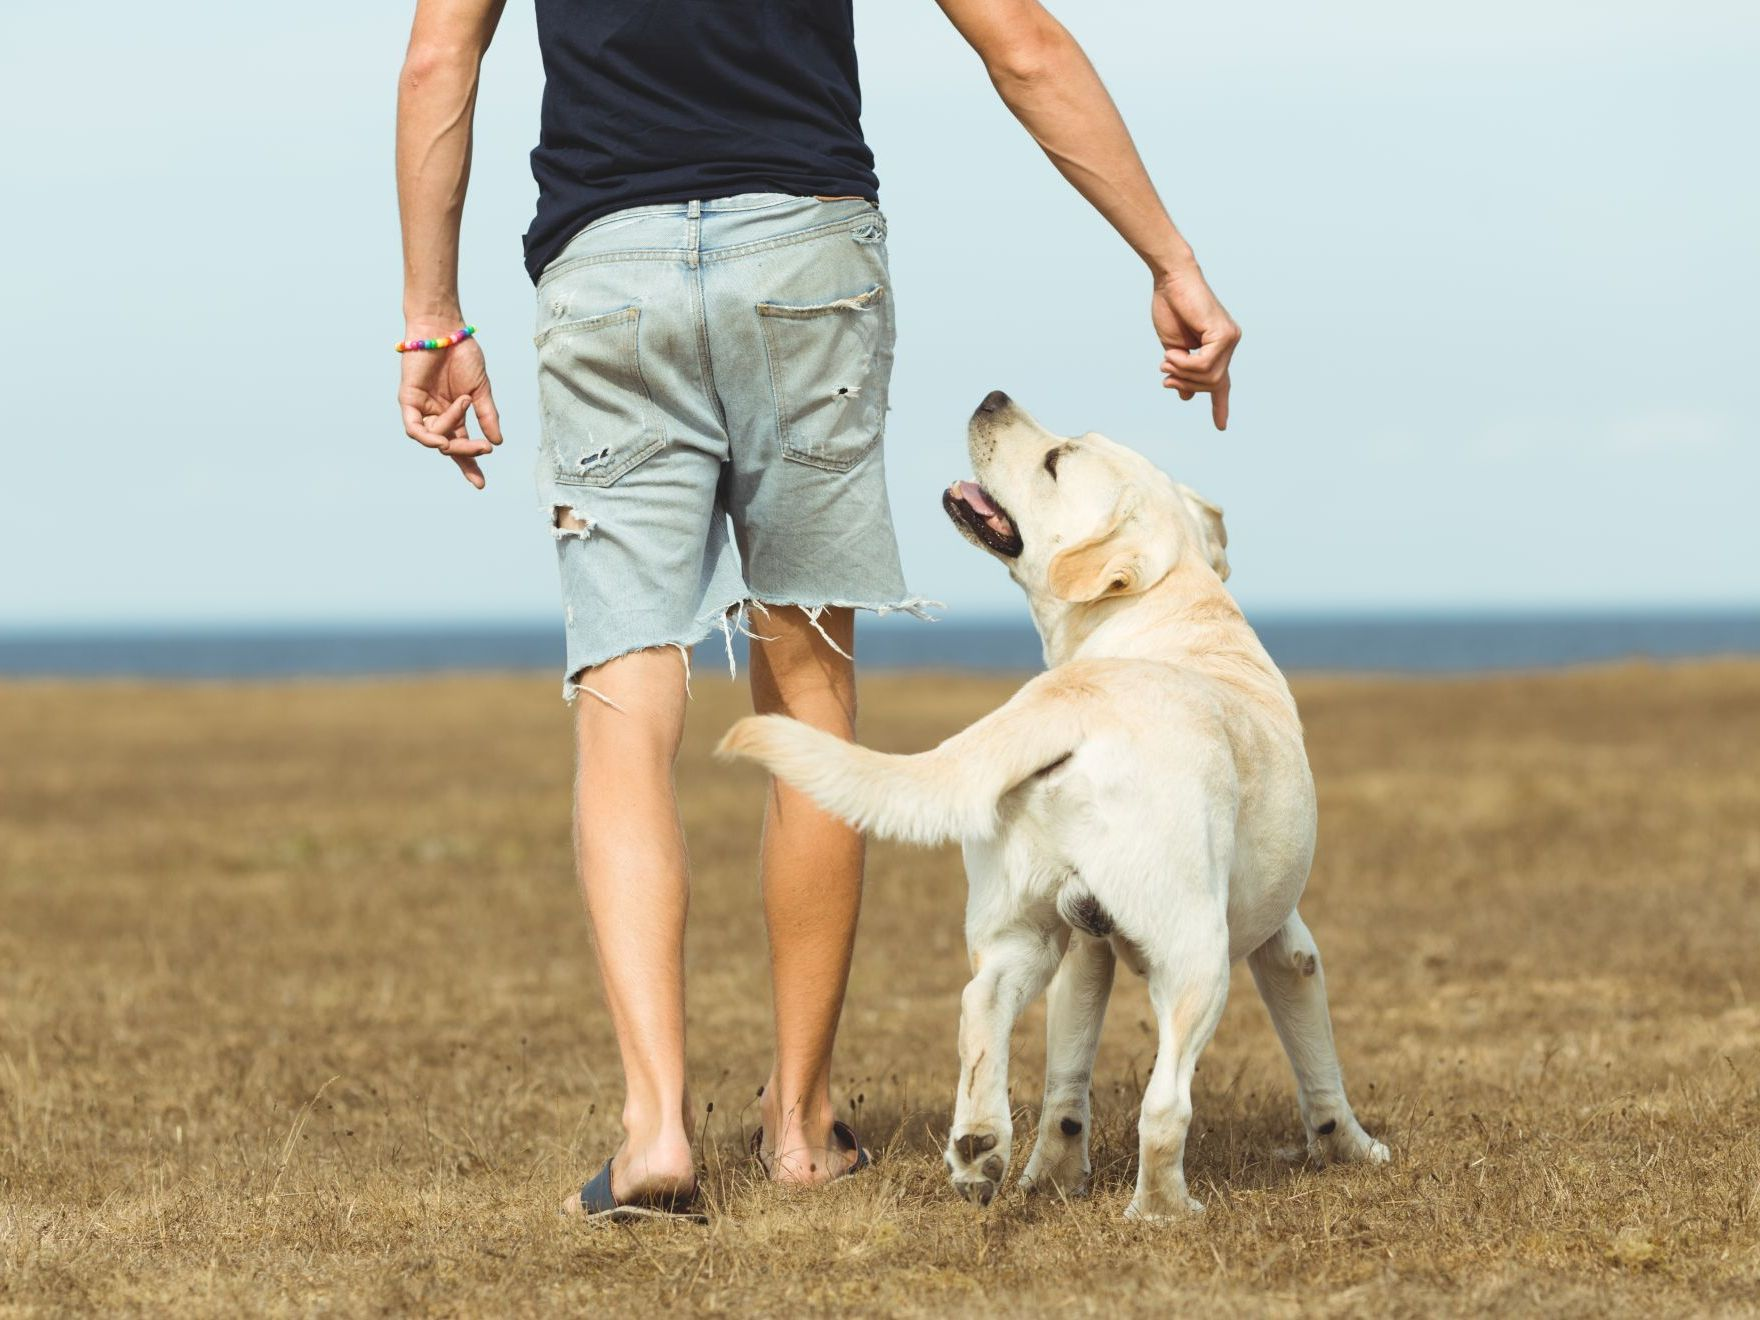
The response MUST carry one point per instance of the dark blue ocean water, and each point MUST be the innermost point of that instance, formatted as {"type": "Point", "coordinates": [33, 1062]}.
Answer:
{"type": "Point", "coordinates": [1411, 644]}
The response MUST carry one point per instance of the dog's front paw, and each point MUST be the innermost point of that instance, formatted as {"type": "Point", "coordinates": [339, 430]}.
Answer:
{"type": "Point", "coordinates": [1070, 1182]}
{"type": "Point", "coordinates": [1059, 1163]}
{"type": "Point", "coordinates": [978, 1161]}
{"type": "Point", "coordinates": [1343, 1141]}
{"type": "Point", "coordinates": [1163, 1209]}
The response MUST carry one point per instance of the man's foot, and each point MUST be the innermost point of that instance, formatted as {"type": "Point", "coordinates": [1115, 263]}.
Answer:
{"type": "Point", "coordinates": [806, 1156]}
{"type": "Point", "coordinates": [661, 1174]}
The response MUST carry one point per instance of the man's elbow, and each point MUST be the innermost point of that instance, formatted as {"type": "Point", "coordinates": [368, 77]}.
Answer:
{"type": "Point", "coordinates": [431, 62]}
{"type": "Point", "coordinates": [1030, 55]}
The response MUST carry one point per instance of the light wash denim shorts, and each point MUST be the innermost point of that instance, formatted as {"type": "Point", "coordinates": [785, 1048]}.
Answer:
{"type": "Point", "coordinates": [712, 375]}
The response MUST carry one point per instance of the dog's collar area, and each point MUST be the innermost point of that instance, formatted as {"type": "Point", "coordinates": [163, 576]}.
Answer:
{"type": "Point", "coordinates": [976, 511]}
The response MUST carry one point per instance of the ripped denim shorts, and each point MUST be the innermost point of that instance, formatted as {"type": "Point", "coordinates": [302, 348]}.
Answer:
{"type": "Point", "coordinates": [713, 375]}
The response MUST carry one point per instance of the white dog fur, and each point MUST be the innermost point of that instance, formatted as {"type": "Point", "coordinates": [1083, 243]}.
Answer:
{"type": "Point", "coordinates": [1147, 798]}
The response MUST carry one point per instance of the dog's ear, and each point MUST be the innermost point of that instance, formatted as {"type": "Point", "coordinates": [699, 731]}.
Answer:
{"type": "Point", "coordinates": [1215, 533]}
{"type": "Point", "coordinates": [1115, 561]}
{"type": "Point", "coordinates": [1093, 569]}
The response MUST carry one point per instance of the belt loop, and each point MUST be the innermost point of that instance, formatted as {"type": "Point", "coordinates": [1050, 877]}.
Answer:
{"type": "Point", "coordinates": [694, 229]}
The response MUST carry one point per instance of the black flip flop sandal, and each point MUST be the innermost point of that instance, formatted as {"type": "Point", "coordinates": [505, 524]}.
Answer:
{"type": "Point", "coordinates": [598, 1202]}
{"type": "Point", "coordinates": [846, 1138]}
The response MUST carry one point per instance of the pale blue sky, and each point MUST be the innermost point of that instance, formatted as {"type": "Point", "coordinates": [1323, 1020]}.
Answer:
{"type": "Point", "coordinates": [1497, 264]}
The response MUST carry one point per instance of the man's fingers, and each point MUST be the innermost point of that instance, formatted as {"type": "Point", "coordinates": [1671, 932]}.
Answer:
{"type": "Point", "coordinates": [462, 444]}
{"type": "Point", "coordinates": [415, 426]}
{"type": "Point", "coordinates": [1219, 404]}
{"type": "Point", "coordinates": [450, 420]}
{"type": "Point", "coordinates": [488, 417]}
{"type": "Point", "coordinates": [1205, 367]}
{"type": "Point", "coordinates": [1179, 362]}
{"type": "Point", "coordinates": [445, 430]}
{"type": "Point", "coordinates": [1187, 385]}
{"type": "Point", "coordinates": [433, 430]}
{"type": "Point", "coordinates": [472, 473]}
{"type": "Point", "coordinates": [459, 445]}
{"type": "Point", "coordinates": [1182, 376]}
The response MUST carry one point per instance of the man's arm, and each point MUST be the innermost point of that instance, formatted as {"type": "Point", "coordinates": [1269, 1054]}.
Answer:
{"type": "Point", "coordinates": [1044, 77]}
{"type": "Point", "coordinates": [436, 97]}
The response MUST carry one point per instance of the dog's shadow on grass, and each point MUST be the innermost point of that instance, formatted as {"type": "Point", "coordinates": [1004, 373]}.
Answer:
{"type": "Point", "coordinates": [1233, 1153]}
{"type": "Point", "coordinates": [1245, 1146]}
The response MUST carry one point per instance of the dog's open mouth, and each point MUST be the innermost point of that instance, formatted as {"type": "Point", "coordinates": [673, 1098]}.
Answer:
{"type": "Point", "coordinates": [971, 506]}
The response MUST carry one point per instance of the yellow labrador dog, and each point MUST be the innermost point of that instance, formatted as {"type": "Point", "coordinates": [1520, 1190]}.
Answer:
{"type": "Point", "coordinates": [1148, 798]}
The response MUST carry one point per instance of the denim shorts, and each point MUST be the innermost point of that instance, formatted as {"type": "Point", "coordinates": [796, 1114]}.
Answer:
{"type": "Point", "coordinates": [712, 377]}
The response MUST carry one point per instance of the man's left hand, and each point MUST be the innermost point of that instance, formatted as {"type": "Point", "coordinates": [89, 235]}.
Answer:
{"type": "Point", "coordinates": [437, 387]}
{"type": "Point", "coordinates": [1199, 336]}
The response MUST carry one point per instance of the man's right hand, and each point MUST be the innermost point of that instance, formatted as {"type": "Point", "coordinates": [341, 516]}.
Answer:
{"type": "Point", "coordinates": [439, 386]}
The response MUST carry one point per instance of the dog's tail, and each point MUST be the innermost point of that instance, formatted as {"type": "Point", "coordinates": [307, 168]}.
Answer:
{"type": "Point", "coordinates": [950, 792]}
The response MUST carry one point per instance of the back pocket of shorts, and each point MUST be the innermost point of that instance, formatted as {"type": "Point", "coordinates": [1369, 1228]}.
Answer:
{"type": "Point", "coordinates": [599, 418]}
{"type": "Point", "coordinates": [829, 370]}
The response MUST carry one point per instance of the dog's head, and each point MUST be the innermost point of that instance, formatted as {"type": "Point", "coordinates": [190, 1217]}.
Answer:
{"type": "Point", "coordinates": [1077, 520]}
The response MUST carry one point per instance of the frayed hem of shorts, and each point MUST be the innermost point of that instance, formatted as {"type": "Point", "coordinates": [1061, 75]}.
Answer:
{"type": "Point", "coordinates": [917, 607]}
{"type": "Point", "coordinates": [734, 618]}
{"type": "Point", "coordinates": [572, 688]}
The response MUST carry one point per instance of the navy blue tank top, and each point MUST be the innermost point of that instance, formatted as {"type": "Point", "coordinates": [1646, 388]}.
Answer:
{"type": "Point", "coordinates": [651, 101]}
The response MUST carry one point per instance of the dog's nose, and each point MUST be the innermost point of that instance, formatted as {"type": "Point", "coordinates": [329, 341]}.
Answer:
{"type": "Point", "coordinates": [994, 402]}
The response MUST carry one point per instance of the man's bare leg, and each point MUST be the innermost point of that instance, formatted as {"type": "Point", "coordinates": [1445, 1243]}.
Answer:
{"type": "Point", "coordinates": [630, 852]}
{"type": "Point", "coordinates": [812, 867]}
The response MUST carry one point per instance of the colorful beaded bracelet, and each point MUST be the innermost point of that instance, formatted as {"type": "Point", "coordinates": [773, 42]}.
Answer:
{"type": "Point", "coordinates": [456, 337]}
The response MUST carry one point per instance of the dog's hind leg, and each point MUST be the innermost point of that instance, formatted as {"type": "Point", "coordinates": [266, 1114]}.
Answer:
{"type": "Point", "coordinates": [1075, 1010]}
{"type": "Point", "coordinates": [1187, 992]}
{"type": "Point", "coordinates": [1287, 971]}
{"type": "Point", "coordinates": [1014, 952]}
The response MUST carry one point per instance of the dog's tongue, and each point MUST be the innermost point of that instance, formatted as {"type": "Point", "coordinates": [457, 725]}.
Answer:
{"type": "Point", "coordinates": [979, 500]}
{"type": "Point", "coordinates": [974, 494]}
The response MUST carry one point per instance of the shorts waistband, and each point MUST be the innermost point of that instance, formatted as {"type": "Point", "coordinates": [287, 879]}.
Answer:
{"type": "Point", "coordinates": [690, 210]}
{"type": "Point", "coordinates": [714, 228]}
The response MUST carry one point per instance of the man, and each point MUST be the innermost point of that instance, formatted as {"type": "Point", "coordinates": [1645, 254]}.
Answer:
{"type": "Point", "coordinates": [715, 342]}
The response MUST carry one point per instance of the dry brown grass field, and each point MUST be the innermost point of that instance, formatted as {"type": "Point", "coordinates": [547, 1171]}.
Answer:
{"type": "Point", "coordinates": [298, 1014]}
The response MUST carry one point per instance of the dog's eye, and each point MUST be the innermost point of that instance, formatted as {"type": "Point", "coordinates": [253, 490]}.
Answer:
{"type": "Point", "coordinates": [1051, 461]}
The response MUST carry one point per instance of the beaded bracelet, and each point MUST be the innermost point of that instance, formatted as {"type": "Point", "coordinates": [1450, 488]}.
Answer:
{"type": "Point", "coordinates": [456, 337]}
